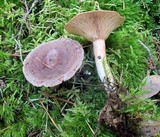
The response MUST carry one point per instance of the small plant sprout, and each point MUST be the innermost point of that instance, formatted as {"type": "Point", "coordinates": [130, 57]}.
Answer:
{"type": "Point", "coordinates": [96, 26]}
{"type": "Point", "coordinates": [152, 86]}
{"type": "Point", "coordinates": [53, 62]}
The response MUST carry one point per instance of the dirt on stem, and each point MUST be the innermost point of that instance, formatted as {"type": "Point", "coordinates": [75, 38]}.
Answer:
{"type": "Point", "coordinates": [113, 117]}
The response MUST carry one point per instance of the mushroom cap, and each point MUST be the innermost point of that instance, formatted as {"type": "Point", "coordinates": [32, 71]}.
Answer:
{"type": "Point", "coordinates": [152, 86]}
{"type": "Point", "coordinates": [94, 25]}
{"type": "Point", "coordinates": [53, 62]}
{"type": "Point", "coordinates": [150, 128]}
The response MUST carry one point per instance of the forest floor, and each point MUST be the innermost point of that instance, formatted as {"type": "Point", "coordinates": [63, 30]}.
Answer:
{"type": "Point", "coordinates": [72, 109]}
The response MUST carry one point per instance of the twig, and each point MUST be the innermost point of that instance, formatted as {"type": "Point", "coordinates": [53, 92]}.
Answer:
{"type": "Point", "coordinates": [17, 54]}
{"type": "Point", "coordinates": [18, 46]}
{"type": "Point", "coordinates": [148, 50]}
{"type": "Point", "coordinates": [28, 11]}
{"type": "Point", "coordinates": [31, 101]}
{"type": "Point", "coordinates": [25, 3]}
{"type": "Point", "coordinates": [33, 5]}
{"type": "Point", "coordinates": [4, 129]}
{"type": "Point", "coordinates": [124, 5]}
{"type": "Point", "coordinates": [43, 63]}
{"type": "Point", "coordinates": [85, 84]}
{"type": "Point", "coordinates": [67, 101]}
{"type": "Point", "coordinates": [60, 99]}
{"type": "Point", "coordinates": [46, 125]}
{"type": "Point", "coordinates": [149, 53]}
{"type": "Point", "coordinates": [50, 116]}
{"type": "Point", "coordinates": [20, 31]}
{"type": "Point", "coordinates": [66, 104]}
{"type": "Point", "coordinates": [90, 128]}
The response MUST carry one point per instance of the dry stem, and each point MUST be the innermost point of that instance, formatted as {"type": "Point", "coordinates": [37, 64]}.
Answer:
{"type": "Point", "coordinates": [50, 116]}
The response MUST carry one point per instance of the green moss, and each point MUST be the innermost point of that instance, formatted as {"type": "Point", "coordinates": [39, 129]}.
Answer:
{"type": "Point", "coordinates": [21, 111]}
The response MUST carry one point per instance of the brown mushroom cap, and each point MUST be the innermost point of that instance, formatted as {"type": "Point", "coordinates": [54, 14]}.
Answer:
{"type": "Point", "coordinates": [53, 62]}
{"type": "Point", "coordinates": [152, 86]}
{"type": "Point", "coordinates": [94, 25]}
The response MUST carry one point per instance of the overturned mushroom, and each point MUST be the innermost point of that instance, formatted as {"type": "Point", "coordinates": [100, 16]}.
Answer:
{"type": "Point", "coordinates": [152, 86]}
{"type": "Point", "coordinates": [53, 62]}
{"type": "Point", "coordinates": [96, 26]}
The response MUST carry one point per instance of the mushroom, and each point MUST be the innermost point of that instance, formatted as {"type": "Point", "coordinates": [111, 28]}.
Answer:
{"type": "Point", "coordinates": [152, 86]}
{"type": "Point", "coordinates": [96, 26]}
{"type": "Point", "coordinates": [53, 62]}
{"type": "Point", "coordinates": [150, 128]}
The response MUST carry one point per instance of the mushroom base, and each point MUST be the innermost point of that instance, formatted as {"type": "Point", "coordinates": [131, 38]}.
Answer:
{"type": "Point", "coordinates": [113, 117]}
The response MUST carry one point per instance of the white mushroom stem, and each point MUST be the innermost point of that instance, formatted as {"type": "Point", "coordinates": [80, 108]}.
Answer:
{"type": "Point", "coordinates": [103, 68]}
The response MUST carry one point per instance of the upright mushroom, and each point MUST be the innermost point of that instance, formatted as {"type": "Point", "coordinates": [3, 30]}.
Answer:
{"type": "Point", "coordinates": [96, 26]}
{"type": "Point", "coordinates": [53, 62]}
